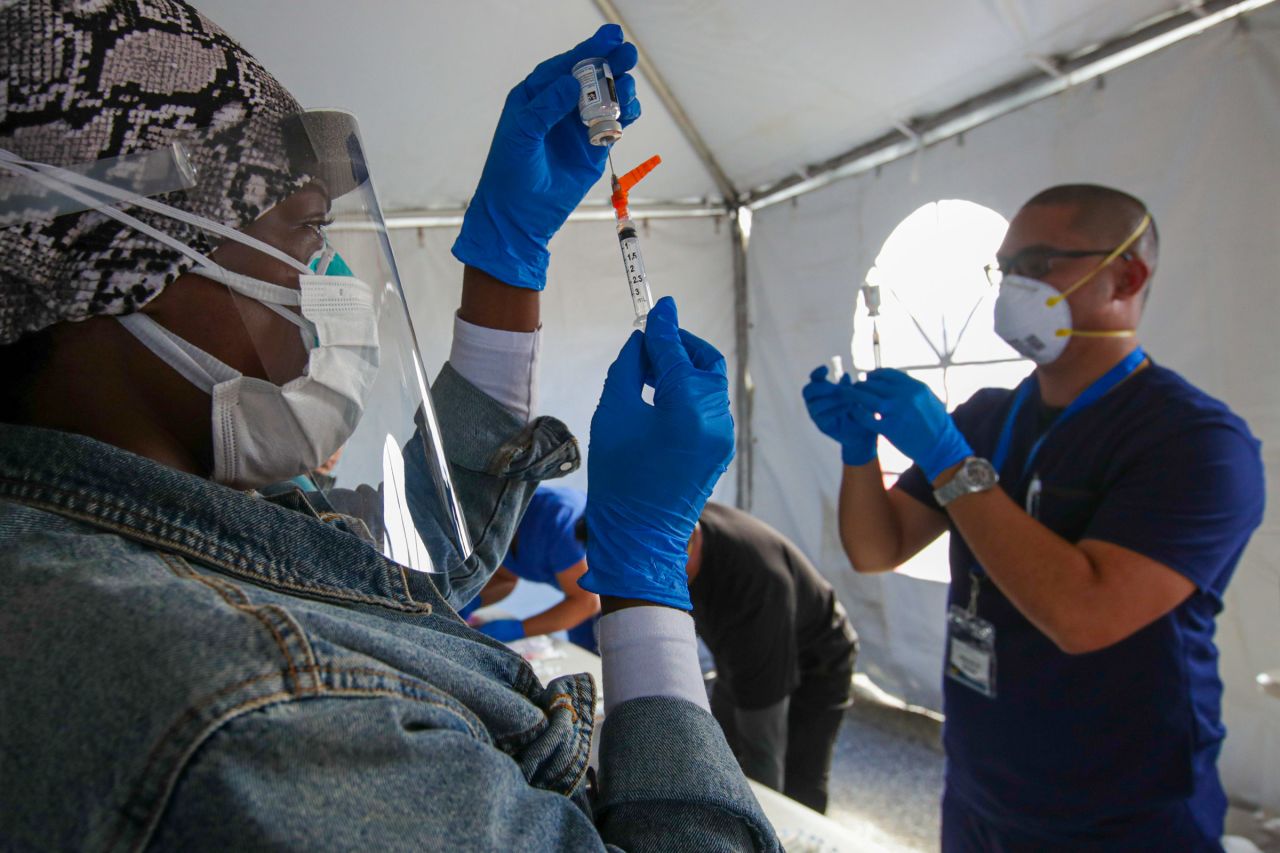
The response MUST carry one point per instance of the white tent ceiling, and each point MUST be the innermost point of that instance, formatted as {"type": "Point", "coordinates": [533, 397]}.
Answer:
{"type": "Point", "coordinates": [771, 87]}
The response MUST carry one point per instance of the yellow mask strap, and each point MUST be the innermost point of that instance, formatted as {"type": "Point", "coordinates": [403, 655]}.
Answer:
{"type": "Point", "coordinates": [1080, 333]}
{"type": "Point", "coordinates": [1120, 250]}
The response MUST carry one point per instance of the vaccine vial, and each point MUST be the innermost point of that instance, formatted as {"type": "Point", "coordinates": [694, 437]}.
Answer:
{"type": "Point", "coordinates": [598, 101]}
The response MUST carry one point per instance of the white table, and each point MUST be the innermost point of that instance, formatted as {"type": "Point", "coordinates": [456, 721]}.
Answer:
{"type": "Point", "coordinates": [801, 829]}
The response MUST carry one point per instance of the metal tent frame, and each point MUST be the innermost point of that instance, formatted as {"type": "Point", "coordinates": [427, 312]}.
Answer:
{"type": "Point", "coordinates": [1049, 76]}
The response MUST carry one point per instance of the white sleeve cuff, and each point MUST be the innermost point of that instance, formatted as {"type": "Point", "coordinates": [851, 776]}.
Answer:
{"type": "Point", "coordinates": [502, 364]}
{"type": "Point", "coordinates": [650, 651]}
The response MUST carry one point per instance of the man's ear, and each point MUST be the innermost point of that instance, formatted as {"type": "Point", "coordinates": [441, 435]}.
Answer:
{"type": "Point", "coordinates": [1131, 277]}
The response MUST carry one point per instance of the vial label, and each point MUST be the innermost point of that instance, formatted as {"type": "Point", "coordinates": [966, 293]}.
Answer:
{"type": "Point", "coordinates": [587, 79]}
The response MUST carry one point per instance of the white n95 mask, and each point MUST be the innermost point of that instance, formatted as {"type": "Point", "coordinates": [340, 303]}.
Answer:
{"type": "Point", "coordinates": [1031, 320]}
{"type": "Point", "coordinates": [1035, 319]}
{"type": "Point", "coordinates": [262, 432]}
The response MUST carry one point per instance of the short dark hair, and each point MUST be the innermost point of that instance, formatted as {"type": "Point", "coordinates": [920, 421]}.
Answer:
{"type": "Point", "coordinates": [1103, 212]}
{"type": "Point", "coordinates": [1108, 215]}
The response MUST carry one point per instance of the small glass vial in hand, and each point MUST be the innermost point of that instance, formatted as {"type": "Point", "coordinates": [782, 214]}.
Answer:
{"type": "Point", "coordinates": [598, 101]}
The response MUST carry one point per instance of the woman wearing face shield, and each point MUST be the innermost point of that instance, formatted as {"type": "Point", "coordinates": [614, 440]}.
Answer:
{"type": "Point", "coordinates": [188, 664]}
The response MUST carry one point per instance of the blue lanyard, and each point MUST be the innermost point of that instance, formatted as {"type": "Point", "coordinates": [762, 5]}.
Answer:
{"type": "Point", "coordinates": [1091, 395]}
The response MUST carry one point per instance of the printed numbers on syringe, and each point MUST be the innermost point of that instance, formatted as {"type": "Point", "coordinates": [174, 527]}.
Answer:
{"type": "Point", "coordinates": [635, 263]}
{"type": "Point", "coordinates": [636, 278]}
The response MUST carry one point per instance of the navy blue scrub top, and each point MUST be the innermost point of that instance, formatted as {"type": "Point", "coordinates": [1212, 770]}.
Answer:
{"type": "Point", "coordinates": [544, 545]}
{"type": "Point", "coordinates": [1074, 741]}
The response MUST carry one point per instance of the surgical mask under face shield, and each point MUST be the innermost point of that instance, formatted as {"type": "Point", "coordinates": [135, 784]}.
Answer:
{"type": "Point", "coordinates": [297, 330]}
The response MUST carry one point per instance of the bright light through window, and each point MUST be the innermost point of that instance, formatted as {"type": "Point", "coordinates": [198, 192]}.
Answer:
{"type": "Point", "coordinates": [936, 316]}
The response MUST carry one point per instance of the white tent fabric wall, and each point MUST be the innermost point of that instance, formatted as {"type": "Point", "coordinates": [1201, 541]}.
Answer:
{"type": "Point", "coordinates": [1192, 130]}
{"type": "Point", "coordinates": [586, 313]}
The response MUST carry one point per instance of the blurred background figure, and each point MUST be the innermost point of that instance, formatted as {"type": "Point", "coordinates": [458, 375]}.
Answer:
{"type": "Point", "coordinates": [549, 548]}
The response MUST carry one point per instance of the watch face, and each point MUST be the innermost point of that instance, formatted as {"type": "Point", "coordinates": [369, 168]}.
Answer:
{"type": "Point", "coordinates": [980, 474]}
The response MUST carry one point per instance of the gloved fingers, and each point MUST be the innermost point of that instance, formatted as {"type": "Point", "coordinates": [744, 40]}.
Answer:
{"type": "Point", "coordinates": [865, 418]}
{"type": "Point", "coordinates": [662, 342]}
{"type": "Point", "coordinates": [890, 374]}
{"type": "Point", "coordinates": [846, 380]}
{"type": "Point", "coordinates": [822, 390]}
{"type": "Point", "coordinates": [892, 381]}
{"type": "Point", "coordinates": [866, 398]}
{"type": "Point", "coordinates": [621, 60]}
{"type": "Point", "coordinates": [548, 107]}
{"type": "Point", "coordinates": [627, 101]}
{"type": "Point", "coordinates": [897, 385]}
{"type": "Point", "coordinates": [873, 390]}
{"type": "Point", "coordinates": [606, 40]}
{"type": "Point", "coordinates": [827, 409]}
{"type": "Point", "coordinates": [630, 113]}
{"type": "Point", "coordinates": [819, 373]}
{"type": "Point", "coordinates": [627, 374]}
{"type": "Point", "coordinates": [703, 355]}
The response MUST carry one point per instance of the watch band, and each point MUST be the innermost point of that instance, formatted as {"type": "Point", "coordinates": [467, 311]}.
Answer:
{"type": "Point", "coordinates": [975, 475]}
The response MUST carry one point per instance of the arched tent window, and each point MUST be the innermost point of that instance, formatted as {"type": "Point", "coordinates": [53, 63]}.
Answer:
{"type": "Point", "coordinates": [935, 320]}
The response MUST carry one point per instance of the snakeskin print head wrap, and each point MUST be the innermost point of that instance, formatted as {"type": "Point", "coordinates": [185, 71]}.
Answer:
{"type": "Point", "coordinates": [87, 80]}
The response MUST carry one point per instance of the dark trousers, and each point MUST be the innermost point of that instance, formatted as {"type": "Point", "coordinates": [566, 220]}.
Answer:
{"type": "Point", "coordinates": [813, 724]}
{"type": "Point", "coordinates": [1168, 830]}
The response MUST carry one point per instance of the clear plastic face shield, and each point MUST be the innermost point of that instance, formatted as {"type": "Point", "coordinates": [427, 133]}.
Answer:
{"type": "Point", "coordinates": [299, 333]}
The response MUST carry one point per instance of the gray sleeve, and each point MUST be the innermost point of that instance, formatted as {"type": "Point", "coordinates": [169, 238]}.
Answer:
{"type": "Point", "coordinates": [762, 742]}
{"type": "Point", "coordinates": [668, 781]}
{"type": "Point", "coordinates": [502, 364]}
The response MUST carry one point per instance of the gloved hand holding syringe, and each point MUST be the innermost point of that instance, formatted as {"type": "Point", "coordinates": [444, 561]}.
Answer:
{"type": "Point", "coordinates": [598, 107]}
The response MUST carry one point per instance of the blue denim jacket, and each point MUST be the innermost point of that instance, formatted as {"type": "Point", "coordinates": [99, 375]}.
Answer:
{"type": "Point", "coordinates": [184, 666]}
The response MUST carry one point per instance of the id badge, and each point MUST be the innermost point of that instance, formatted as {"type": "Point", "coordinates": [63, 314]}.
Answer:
{"type": "Point", "coordinates": [971, 651]}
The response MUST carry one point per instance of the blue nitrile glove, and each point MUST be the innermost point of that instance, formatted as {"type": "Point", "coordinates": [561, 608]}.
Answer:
{"type": "Point", "coordinates": [503, 630]}
{"type": "Point", "coordinates": [831, 410]}
{"type": "Point", "coordinates": [650, 469]}
{"type": "Point", "coordinates": [912, 418]}
{"type": "Point", "coordinates": [540, 164]}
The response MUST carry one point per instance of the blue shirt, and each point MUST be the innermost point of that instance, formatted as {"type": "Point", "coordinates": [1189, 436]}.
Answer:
{"type": "Point", "coordinates": [545, 544]}
{"type": "Point", "coordinates": [1075, 742]}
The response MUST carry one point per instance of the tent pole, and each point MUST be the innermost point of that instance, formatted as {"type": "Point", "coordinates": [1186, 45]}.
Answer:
{"type": "Point", "coordinates": [738, 236]}
{"type": "Point", "coordinates": [743, 388]}
{"type": "Point", "coordinates": [678, 115]}
{"type": "Point", "coordinates": [1054, 75]}
{"type": "Point", "coordinates": [451, 217]}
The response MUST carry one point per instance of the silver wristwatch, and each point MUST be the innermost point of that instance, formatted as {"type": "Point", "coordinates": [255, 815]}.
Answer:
{"type": "Point", "coordinates": [975, 475]}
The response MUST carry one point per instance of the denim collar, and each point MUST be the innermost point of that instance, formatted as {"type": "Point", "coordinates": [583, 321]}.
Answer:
{"type": "Point", "coordinates": [235, 532]}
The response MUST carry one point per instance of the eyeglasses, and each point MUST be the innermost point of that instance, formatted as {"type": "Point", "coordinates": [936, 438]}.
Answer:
{"type": "Point", "coordinates": [1037, 261]}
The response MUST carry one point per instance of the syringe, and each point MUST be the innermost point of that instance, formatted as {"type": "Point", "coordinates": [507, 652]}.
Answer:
{"type": "Point", "coordinates": [632, 260]}
{"type": "Point", "coordinates": [871, 298]}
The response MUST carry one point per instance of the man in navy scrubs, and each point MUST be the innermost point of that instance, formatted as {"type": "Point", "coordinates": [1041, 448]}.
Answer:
{"type": "Point", "coordinates": [1098, 512]}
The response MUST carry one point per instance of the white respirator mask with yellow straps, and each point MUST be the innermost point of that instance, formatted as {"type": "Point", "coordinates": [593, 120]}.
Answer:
{"type": "Point", "coordinates": [1034, 318]}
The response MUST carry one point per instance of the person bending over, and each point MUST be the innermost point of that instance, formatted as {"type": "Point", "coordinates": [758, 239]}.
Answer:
{"type": "Point", "coordinates": [547, 550]}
